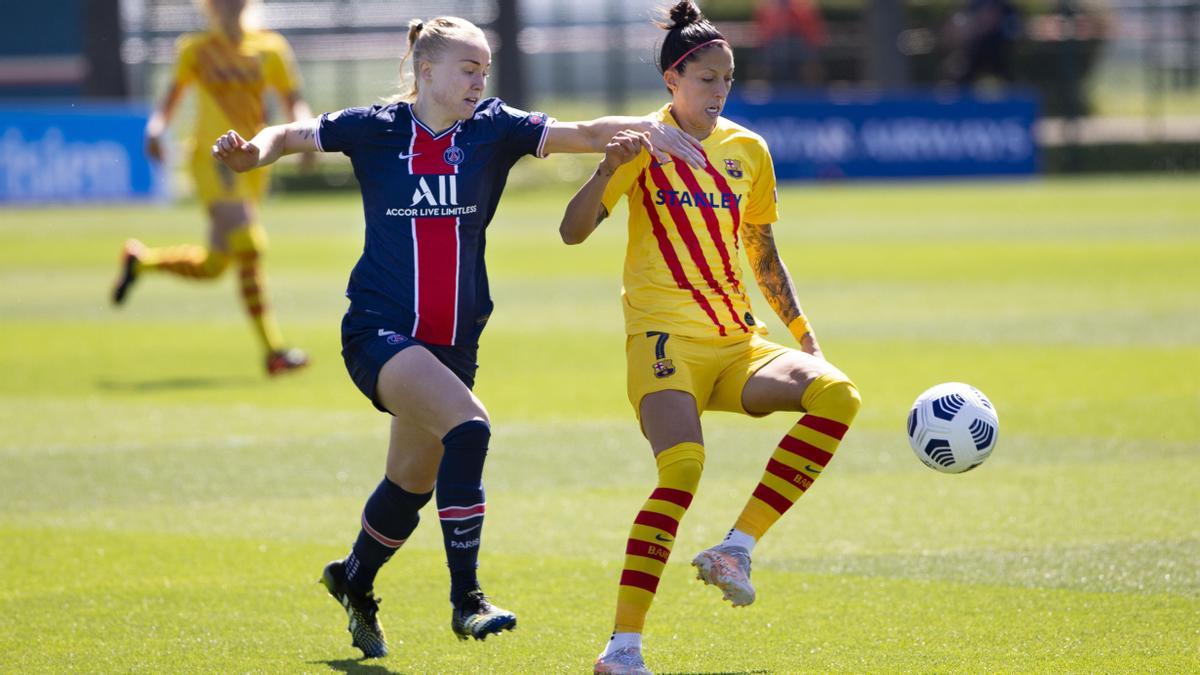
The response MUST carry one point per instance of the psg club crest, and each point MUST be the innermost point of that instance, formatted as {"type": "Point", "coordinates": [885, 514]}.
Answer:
{"type": "Point", "coordinates": [536, 118]}
{"type": "Point", "coordinates": [664, 368]}
{"type": "Point", "coordinates": [454, 155]}
{"type": "Point", "coordinates": [733, 167]}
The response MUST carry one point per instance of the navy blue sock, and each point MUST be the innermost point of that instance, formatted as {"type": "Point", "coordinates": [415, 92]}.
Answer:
{"type": "Point", "coordinates": [388, 519]}
{"type": "Point", "coordinates": [461, 503]}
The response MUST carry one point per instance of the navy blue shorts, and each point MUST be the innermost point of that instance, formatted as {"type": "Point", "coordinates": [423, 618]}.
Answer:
{"type": "Point", "coordinates": [369, 341]}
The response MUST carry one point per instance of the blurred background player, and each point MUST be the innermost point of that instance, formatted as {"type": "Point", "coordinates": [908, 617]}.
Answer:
{"type": "Point", "coordinates": [693, 344]}
{"type": "Point", "coordinates": [232, 66]}
{"type": "Point", "coordinates": [984, 33]}
{"type": "Point", "coordinates": [431, 167]}
{"type": "Point", "coordinates": [791, 34]}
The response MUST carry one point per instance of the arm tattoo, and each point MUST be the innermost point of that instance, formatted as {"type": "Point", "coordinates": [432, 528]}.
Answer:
{"type": "Point", "coordinates": [306, 133]}
{"type": "Point", "coordinates": [770, 272]}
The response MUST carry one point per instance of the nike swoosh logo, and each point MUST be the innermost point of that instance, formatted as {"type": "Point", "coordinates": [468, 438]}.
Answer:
{"type": "Point", "coordinates": [812, 469]}
{"type": "Point", "coordinates": [383, 333]}
{"type": "Point", "coordinates": [473, 527]}
{"type": "Point", "coordinates": [409, 155]}
{"type": "Point", "coordinates": [662, 538]}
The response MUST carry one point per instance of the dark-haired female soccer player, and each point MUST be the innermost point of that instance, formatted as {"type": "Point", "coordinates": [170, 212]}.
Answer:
{"type": "Point", "coordinates": [693, 344]}
{"type": "Point", "coordinates": [431, 169]}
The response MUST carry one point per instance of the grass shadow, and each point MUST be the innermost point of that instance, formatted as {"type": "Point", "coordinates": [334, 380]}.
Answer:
{"type": "Point", "coordinates": [361, 666]}
{"type": "Point", "coordinates": [715, 672]}
{"type": "Point", "coordinates": [174, 383]}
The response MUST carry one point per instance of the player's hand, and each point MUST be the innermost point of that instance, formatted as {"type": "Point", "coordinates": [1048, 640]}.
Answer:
{"type": "Point", "coordinates": [623, 148]}
{"type": "Point", "coordinates": [236, 152]}
{"type": "Point", "coordinates": [154, 147]}
{"type": "Point", "coordinates": [808, 345]}
{"type": "Point", "coordinates": [669, 140]}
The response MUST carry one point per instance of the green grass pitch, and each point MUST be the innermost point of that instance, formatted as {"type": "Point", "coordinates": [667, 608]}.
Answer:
{"type": "Point", "coordinates": [165, 508]}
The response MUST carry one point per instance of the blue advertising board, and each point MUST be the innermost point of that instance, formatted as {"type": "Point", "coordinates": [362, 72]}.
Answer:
{"type": "Point", "coordinates": [75, 153]}
{"type": "Point", "coordinates": [893, 135]}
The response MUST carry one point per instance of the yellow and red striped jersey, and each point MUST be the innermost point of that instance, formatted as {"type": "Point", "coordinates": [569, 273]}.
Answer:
{"type": "Point", "coordinates": [682, 269]}
{"type": "Point", "coordinates": [232, 79]}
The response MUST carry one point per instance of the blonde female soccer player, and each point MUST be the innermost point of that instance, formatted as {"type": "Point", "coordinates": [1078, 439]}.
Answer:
{"type": "Point", "coordinates": [431, 168]}
{"type": "Point", "coordinates": [232, 67]}
{"type": "Point", "coordinates": [693, 343]}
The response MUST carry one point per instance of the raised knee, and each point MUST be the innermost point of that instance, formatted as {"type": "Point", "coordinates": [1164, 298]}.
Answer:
{"type": "Point", "coordinates": [847, 396]}
{"type": "Point", "coordinates": [836, 394]}
{"type": "Point", "coordinates": [248, 243]}
{"type": "Point", "coordinates": [215, 263]}
{"type": "Point", "coordinates": [471, 432]}
{"type": "Point", "coordinates": [684, 462]}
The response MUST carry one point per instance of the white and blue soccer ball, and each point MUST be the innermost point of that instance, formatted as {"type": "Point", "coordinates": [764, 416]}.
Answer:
{"type": "Point", "coordinates": [953, 427]}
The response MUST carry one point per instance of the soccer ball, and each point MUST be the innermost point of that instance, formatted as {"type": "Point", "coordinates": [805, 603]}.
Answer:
{"type": "Point", "coordinates": [953, 427]}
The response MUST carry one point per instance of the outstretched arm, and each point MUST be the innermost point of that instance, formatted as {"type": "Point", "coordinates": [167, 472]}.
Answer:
{"type": "Point", "coordinates": [776, 284]}
{"type": "Point", "coordinates": [594, 135]}
{"type": "Point", "coordinates": [156, 127]}
{"type": "Point", "coordinates": [585, 211]}
{"type": "Point", "coordinates": [267, 146]}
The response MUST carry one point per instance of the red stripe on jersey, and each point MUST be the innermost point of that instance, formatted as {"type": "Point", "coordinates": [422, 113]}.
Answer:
{"type": "Point", "coordinates": [651, 519]}
{"type": "Point", "coordinates": [794, 476]}
{"type": "Point", "coordinates": [684, 225]}
{"type": "Point", "coordinates": [647, 549]}
{"type": "Point", "coordinates": [435, 252]}
{"type": "Point", "coordinates": [646, 582]}
{"type": "Point", "coordinates": [672, 260]}
{"type": "Point", "coordinates": [435, 240]}
{"type": "Point", "coordinates": [772, 498]}
{"type": "Point", "coordinates": [806, 450]}
{"type": "Point", "coordinates": [723, 186]}
{"type": "Point", "coordinates": [429, 151]}
{"type": "Point", "coordinates": [824, 425]}
{"type": "Point", "coordinates": [710, 220]}
{"type": "Point", "coordinates": [677, 497]}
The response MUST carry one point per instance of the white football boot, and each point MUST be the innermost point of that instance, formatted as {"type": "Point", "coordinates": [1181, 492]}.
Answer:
{"type": "Point", "coordinates": [727, 568]}
{"type": "Point", "coordinates": [624, 661]}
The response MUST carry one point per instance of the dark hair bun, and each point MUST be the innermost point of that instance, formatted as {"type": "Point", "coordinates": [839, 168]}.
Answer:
{"type": "Point", "coordinates": [684, 13]}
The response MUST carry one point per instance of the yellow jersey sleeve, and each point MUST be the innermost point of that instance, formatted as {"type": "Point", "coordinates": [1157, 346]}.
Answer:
{"type": "Point", "coordinates": [279, 65]}
{"type": "Point", "coordinates": [622, 181]}
{"type": "Point", "coordinates": [185, 63]}
{"type": "Point", "coordinates": [763, 208]}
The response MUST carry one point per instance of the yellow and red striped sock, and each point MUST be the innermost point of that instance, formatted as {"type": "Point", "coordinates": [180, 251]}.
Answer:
{"type": "Point", "coordinates": [653, 533]}
{"type": "Point", "coordinates": [190, 261]}
{"type": "Point", "coordinates": [247, 245]}
{"type": "Point", "coordinates": [831, 402]}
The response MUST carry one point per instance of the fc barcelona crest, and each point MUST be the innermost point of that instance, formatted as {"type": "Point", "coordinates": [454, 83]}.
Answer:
{"type": "Point", "coordinates": [664, 368]}
{"type": "Point", "coordinates": [733, 167]}
{"type": "Point", "coordinates": [454, 155]}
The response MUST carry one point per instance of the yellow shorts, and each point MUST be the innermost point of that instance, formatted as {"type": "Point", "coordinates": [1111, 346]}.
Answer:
{"type": "Point", "coordinates": [713, 370]}
{"type": "Point", "coordinates": [216, 182]}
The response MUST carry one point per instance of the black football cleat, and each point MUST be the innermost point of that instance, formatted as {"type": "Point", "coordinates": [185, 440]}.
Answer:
{"type": "Point", "coordinates": [477, 618]}
{"type": "Point", "coordinates": [127, 274]}
{"type": "Point", "coordinates": [365, 631]}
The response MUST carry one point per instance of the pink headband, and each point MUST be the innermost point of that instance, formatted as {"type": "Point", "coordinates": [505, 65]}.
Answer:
{"type": "Point", "coordinates": [689, 52]}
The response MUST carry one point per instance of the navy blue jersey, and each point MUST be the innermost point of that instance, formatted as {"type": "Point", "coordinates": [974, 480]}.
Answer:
{"type": "Point", "coordinates": [427, 199]}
